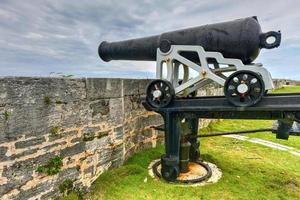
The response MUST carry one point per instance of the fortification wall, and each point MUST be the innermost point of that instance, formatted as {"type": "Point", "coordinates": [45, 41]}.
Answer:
{"type": "Point", "coordinates": [279, 83]}
{"type": "Point", "coordinates": [55, 130]}
{"type": "Point", "coordinates": [90, 125]}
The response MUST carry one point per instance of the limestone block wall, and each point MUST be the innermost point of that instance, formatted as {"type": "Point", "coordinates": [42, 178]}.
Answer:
{"type": "Point", "coordinates": [279, 83]}
{"type": "Point", "coordinates": [58, 129]}
{"type": "Point", "coordinates": [90, 125]}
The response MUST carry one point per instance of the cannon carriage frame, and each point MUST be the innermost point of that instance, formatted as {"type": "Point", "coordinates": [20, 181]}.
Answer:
{"type": "Point", "coordinates": [216, 72]}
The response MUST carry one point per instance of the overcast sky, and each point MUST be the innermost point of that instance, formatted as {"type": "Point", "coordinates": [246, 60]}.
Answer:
{"type": "Point", "coordinates": [42, 37]}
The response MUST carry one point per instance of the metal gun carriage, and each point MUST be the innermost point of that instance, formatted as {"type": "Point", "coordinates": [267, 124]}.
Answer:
{"type": "Point", "coordinates": [213, 51]}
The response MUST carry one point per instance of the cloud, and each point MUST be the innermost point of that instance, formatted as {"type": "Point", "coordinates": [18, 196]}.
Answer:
{"type": "Point", "coordinates": [40, 37]}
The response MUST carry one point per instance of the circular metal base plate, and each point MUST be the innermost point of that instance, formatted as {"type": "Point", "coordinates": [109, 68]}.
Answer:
{"type": "Point", "coordinates": [196, 176]}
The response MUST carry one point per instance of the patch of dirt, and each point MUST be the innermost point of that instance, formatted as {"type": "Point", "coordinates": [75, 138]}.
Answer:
{"type": "Point", "coordinates": [292, 185]}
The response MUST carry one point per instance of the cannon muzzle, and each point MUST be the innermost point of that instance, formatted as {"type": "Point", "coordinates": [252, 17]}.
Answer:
{"type": "Point", "coordinates": [241, 39]}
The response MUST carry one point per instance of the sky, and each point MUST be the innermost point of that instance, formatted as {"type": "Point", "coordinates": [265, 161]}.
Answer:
{"type": "Point", "coordinates": [61, 37]}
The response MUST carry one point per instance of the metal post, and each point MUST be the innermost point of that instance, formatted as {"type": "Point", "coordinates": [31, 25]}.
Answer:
{"type": "Point", "coordinates": [195, 144]}
{"type": "Point", "coordinates": [170, 161]}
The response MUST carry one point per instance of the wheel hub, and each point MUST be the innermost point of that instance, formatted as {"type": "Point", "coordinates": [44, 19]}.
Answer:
{"type": "Point", "coordinates": [157, 94]}
{"type": "Point", "coordinates": [242, 88]}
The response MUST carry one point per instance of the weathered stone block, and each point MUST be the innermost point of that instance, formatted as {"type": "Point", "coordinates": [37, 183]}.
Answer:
{"type": "Point", "coordinates": [25, 195]}
{"type": "Point", "coordinates": [89, 170]}
{"type": "Point", "coordinates": [156, 119]}
{"type": "Point", "coordinates": [118, 133]}
{"type": "Point", "coordinates": [130, 86]}
{"type": "Point", "coordinates": [70, 133]}
{"type": "Point", "coordinates": [144, 145]}
{"type": "Point", "coordinates": [100, 111]}
{"type": "Point", "coordinates": [61, 134]}
{"type": "Point", "coordinates": [143, 83]}
{"type": "Point", "coordinates": [6, 188]}
{"type": "Point", "coordinates": [104, 156]}
{"type": "Point", "coordinates": [90, 133]}
{"type": "Point", "coordinates": [3, 151]}
{"type": "Point", "coordinates": [6, 137]}
{"type": "Point", "coordinates": [49, 195]}
{"type": "Point", "coordinates": [29, 143]}
{"type": "Point", "coordinates": [97, 143]}
{"type": "Point", "coordinates": [100, 107]}
{"type": "Point", "coordinates": [141, 122]}
{"type": "Point", "coordinates": [103, 88]}
{"type": "Point", "coordinates": [17, 174]}
{"type": "Point", "coordinates": [54, 137]}
{"type": "Point", "coordinates": [117, 152]}
{"type": "Point", "coordinates": [24, 153]}
{"type": "Point", "coordinates": [116, 111]}
{"type": "Point", "coordinates": [49, 147]}
{"type": "Point", "coordinates": [70, 173]}
{"type": "Point", "coordinates": [133, 106]}
{"type": "Point", "coordinates": [75, 149]}
{"type": "Point", "coordinates": [135, 86]}
{"type": "Point", "coordinates": [128, 127]}
{"type": "Point", "coordinates": [23, 90]}
{"type": "Point", "coordinates": [75, 114]}
{"type": "Point", "coordinates": [147, 133]}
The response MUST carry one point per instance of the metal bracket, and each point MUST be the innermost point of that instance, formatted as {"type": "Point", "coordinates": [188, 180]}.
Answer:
{"type": "Point", "coordinates": [209, 72]}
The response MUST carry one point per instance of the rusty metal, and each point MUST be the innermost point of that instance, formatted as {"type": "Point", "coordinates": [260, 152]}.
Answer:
{"type": "Point", "coordinates": [181, 178]}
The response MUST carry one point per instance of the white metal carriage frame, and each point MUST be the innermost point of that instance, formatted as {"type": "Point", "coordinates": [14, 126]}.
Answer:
{"type": "Point", "coordinates": [207, 75]}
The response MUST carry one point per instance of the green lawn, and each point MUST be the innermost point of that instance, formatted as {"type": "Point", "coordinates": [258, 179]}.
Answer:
{"type": "Point", "coordinates": [288, 89]}
{"type": "Point", "coordinates": [250, 171]}
{"type": "Point", "coordinates": [236, 125]}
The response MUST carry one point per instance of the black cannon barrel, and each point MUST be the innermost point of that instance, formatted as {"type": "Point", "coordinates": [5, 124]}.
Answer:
{"type": "Point", "coordinates": [241, 39]}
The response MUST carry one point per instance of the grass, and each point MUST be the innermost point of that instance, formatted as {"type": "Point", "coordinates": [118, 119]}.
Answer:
{"type": "Point", "coordinates": [236, 125]}
{"type": "Point", "coordinates": [288, 89]}
{"type": "Point", "coordinates": [250, 171]}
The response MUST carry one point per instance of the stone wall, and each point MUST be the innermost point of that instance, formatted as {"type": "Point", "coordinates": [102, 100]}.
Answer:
{"type": "Point", "coordinates": [91, 125]}
{"type": "Point", "coordinates": [87, 126]}
{"type": "Point", "coordinates": [279, 83]}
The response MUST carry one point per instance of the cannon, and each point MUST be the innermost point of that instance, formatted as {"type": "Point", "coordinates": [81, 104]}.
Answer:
{"type": "Point", "coordinates": [221, 53]}
{"type": "Point", "coordinates": [213, 51]}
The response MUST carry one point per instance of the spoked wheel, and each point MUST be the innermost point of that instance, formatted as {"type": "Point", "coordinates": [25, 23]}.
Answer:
{"type": "Point", "coordinates": [160, 93]}
{"type": "Point", "coordinates": [244, 88]}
